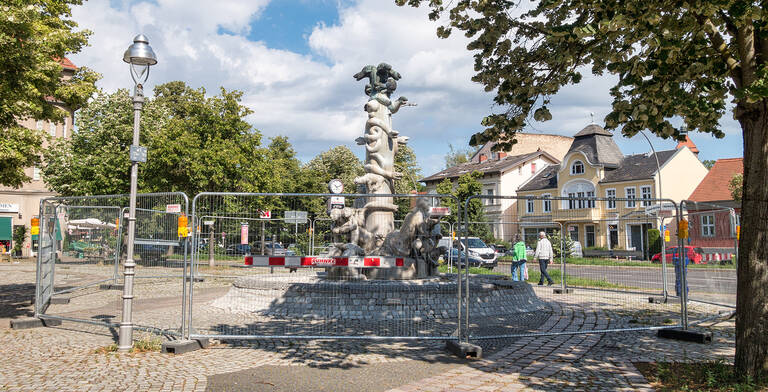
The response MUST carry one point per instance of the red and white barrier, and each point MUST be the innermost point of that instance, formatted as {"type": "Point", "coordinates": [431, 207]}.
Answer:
{"type": "Point", "coordinates": [322, 261]}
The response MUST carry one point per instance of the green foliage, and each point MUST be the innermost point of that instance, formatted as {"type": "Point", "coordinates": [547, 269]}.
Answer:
{"type": "Point", "coordinates": [195, 144]}
{"type": "Point", "coordinates": [339, 162]}
{"type": "Point", "coordinates": [561, 245]}
{"type": "Point", "coordinates": [19, 148]}
{"type": "Point", "coordinates": [457, 156]}
{"type": "Point", "coordinates": [34, 35]}
{"type": "Point", "coordinates": [672, 59]}
{"type": "Point", "coordinates": [467, 185]}
{"type": "Point", "coordinates": [19, 235]}
{"type": "Point", "coordinates": [736, 186]}
{"type": "Point", "coordinates": [654, 241]}
{"type": "Point", "coordinates": [406, 163]}
{"type": "Point", "coordinates": [708, 163]}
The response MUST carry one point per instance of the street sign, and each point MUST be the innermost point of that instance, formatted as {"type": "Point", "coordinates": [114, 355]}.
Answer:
{"type": "Point", "coordinates": [296, 217]}
{"type": "Point", "coordinates": [243, 234]}
{"type": "Point", "coordinates": [265, 214]}
{"type": "Point", "coordinates": [439, 211]}
{"type": "Point", "coordinates": [661, 209]}
{"type": "Point", "coordinates": [173, 208]}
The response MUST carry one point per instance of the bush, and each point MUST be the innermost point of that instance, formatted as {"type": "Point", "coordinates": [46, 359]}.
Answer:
{"type": "Point", "coordinates": [556, 239]}
{"type": "Point", "coordinates": [654, 241]}
{"type": "Point", "coordinates": [19, 235]}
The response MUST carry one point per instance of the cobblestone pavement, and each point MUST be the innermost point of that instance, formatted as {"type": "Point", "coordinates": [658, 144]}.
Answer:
{"type": "Point", "coordinates": [65, 358]}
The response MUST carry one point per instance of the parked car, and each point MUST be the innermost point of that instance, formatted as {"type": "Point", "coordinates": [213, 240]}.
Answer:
{"type": "Point", "coordinates": [500, 250]}
{"type": "Point", "coordinates": [694, 255]}
{"type": "Point", "coordinates": [457, 257]}
{"type": "Point", "coordinates": [238, 249]}
{"type": "Point", "coordinates": [268, 251]}
{"type": "Point", "coordinates": [476, 247]}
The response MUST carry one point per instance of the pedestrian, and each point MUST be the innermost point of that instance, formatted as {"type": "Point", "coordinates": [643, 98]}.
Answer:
{"type": "Point", "coordinates": [544, 254]}
{"type": "Point", "coordinates": [518, 259]}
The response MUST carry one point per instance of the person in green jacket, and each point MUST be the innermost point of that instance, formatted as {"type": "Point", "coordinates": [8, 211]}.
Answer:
{"type": "Point", "coordinates": [518, 259]}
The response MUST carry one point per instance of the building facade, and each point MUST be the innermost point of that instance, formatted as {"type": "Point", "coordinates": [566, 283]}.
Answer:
{"type": "Point", "coordinates": [714, 216]}
{"type": "Point", "coordinates": [19, 206]}
{"type": "Point", "coordinates": [595, 167]}
{"type": "Point", "coordinates": [503, 173]}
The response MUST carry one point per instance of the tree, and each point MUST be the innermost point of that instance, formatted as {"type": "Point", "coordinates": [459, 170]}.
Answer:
{"type": "Point", "coordinates": [735, 185]}
{"type": "Point", "coordinates": [456, 157]}
{"type": "Point", "coordinates": [339, 162]}
{"type": "Point", "coordinates": [467, 185]}
{"type": "Point", "coordinates": [708, 163]}
{"type": "Point", "coordinates": [406, 163]}
{"type": "Point", "coordinates": [34, 35]}
{"type": "Point", "coordinates": [195, 143]}
{"type": "Point", "coordinates": [672, 59]}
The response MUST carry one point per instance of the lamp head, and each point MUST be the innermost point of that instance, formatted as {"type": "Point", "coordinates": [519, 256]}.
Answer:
{"type": "Point", "coordinates": [140, 53]}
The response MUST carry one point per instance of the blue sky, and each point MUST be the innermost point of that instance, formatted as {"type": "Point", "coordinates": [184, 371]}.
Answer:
{"type": "Point", "coordinates": [294, 61]}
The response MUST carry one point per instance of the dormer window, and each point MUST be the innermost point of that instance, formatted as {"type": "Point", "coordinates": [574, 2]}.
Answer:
{"type": "Point", "coordinates": [577, 168]}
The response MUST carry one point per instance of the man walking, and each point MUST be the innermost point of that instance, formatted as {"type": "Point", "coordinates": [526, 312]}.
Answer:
{"type": "Point", "coordinates": [544, 254]}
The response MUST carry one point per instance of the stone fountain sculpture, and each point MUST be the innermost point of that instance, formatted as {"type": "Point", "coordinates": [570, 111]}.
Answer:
{"type": "Point", "coordinates": [368, 228]}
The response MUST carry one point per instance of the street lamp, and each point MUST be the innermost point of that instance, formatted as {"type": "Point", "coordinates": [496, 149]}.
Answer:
{"type": "Point", "coordinates": [140, 57]}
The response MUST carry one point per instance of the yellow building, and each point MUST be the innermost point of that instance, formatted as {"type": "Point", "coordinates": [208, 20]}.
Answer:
{"type": "Point", "coordinates": [595, 167]}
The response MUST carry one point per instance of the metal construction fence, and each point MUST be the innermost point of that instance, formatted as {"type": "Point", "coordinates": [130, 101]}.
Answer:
{"type": "Point", "coordinates": [259, 265]}
{"type": "Point", "coordinates": [609, 264]}
{"type": "Point", "coordinates": [281, 266]}
{"type": "Point", "coordinates": [710, 252]}
{"type": "Point", "coordinates": [82, 245]}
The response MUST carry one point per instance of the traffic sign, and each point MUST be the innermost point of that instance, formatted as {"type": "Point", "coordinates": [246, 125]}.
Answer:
{"type": "Point", "coordinates": [296, 217]}
{"type": "Point", "coordinates": [173, 208]}
{"type": "Point", "coordinates": [265, 214]}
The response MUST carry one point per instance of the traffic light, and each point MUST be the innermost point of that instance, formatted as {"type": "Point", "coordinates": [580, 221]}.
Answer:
{"type": "Point", "coordinates": [35, 223]}
{"type": "Point", "coordinates": [182, 226]}
{"type": "Point", "coordinates": [683, 229]}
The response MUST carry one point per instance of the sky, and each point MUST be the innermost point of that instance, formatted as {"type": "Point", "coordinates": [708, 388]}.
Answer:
{"type": "Point", "coordinates": [294, 61]}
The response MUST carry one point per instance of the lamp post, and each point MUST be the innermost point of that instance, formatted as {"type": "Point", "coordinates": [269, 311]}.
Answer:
{"type": "Point", "coordinates": [140, 57]}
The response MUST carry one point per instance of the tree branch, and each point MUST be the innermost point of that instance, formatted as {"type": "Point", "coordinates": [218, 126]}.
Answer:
{"type": "Point", "coordinates": [746, 45]}
{"type": "Point", "coordinates": [719, 44]}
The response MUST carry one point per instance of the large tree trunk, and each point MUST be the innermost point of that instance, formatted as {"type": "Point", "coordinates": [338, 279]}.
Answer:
{"type": "Point", "coordinates": [752, 286]}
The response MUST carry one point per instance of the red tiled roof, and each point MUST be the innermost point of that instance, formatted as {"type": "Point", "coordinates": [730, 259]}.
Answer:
{"type": "Point", "coordinates": [67, 64]}
{"type": "Point", "coordinates": [688, 143]}
{"type": "Point", "coordinates": [714, 186]}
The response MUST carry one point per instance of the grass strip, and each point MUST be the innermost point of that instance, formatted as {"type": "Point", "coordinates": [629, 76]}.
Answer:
{"type": "Point", "coordinates": [710, 376]}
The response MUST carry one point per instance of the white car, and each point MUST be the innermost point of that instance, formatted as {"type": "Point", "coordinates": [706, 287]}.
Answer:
{"type": "Point", "coordinates": [476, 247]}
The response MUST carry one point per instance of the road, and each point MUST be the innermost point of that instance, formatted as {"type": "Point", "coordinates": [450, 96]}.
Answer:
{"type": "Point", "coordinates": [703, 283]}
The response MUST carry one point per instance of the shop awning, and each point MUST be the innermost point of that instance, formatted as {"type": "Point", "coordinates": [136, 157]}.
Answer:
{"type": "Point", "coordinates": [6, 230]}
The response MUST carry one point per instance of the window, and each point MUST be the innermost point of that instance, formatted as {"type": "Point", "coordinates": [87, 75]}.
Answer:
{"type": "Point", "coordinates": [645, 194]}
{"type": "Point", "coordinates": [577, 168]}
{"type": "Point", "coordinates": [529, 206]}
{"type": "Point", "coordinates": [36, 173]}
{"type": "Point", "coordinates": [64, 129]}
{"type": "Point", "coordinates": [546, 205]}
{"type": "Point", "coordinates": [589, 236]}
{"type": "Point", "coordinates": [519, 170]}
{"type": "Point", "coordinates": [708, 225]}
{"type": "Point", "coordinates": [533, 167]}
{"type": "Point", "coordinates": [52, 130]}
{"type": "Point", "coordinates": [489, 201]}
{"type": "Point", "coordinates": [576, 191]}
{"type": "Point", "coordinates": [573, 232]}
{"type": "Point", "coordinates": [611, 194]}
{"type": "Point", "coordinates": [630, 193]}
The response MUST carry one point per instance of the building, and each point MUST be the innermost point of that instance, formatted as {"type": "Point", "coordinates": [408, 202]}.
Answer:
{"type": "Point", "coordinates": [595, 167]}
{"type": "Point", "coordinates": [19, 206]}
{"type": "Point", "coordinates": [555, 145]}
{"type": "Point", "coordinates": [714, 217]}
{"type": "Point", "coordinates": [503, 173]}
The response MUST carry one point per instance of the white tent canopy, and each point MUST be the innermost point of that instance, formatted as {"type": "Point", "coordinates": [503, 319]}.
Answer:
{"type": "Point", "coordinates": [89, 223]}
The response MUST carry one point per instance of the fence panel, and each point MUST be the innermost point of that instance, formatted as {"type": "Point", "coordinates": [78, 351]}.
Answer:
{"type": "Point", "coordinates": [262, 273]}
{"type": "Point", "coordinates": [83, 239]}
{"type": "Point", "coordinates": [609, 271]}
{"type": "Point", "coordinates": [711, 250]}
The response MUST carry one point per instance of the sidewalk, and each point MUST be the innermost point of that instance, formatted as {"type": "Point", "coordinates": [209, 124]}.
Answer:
{"type": "Point", "coordinates": [63, 358]}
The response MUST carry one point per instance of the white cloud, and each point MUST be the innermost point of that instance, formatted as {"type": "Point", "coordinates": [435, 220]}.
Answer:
{"type": "Point", "coordinates": [313, 98]}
